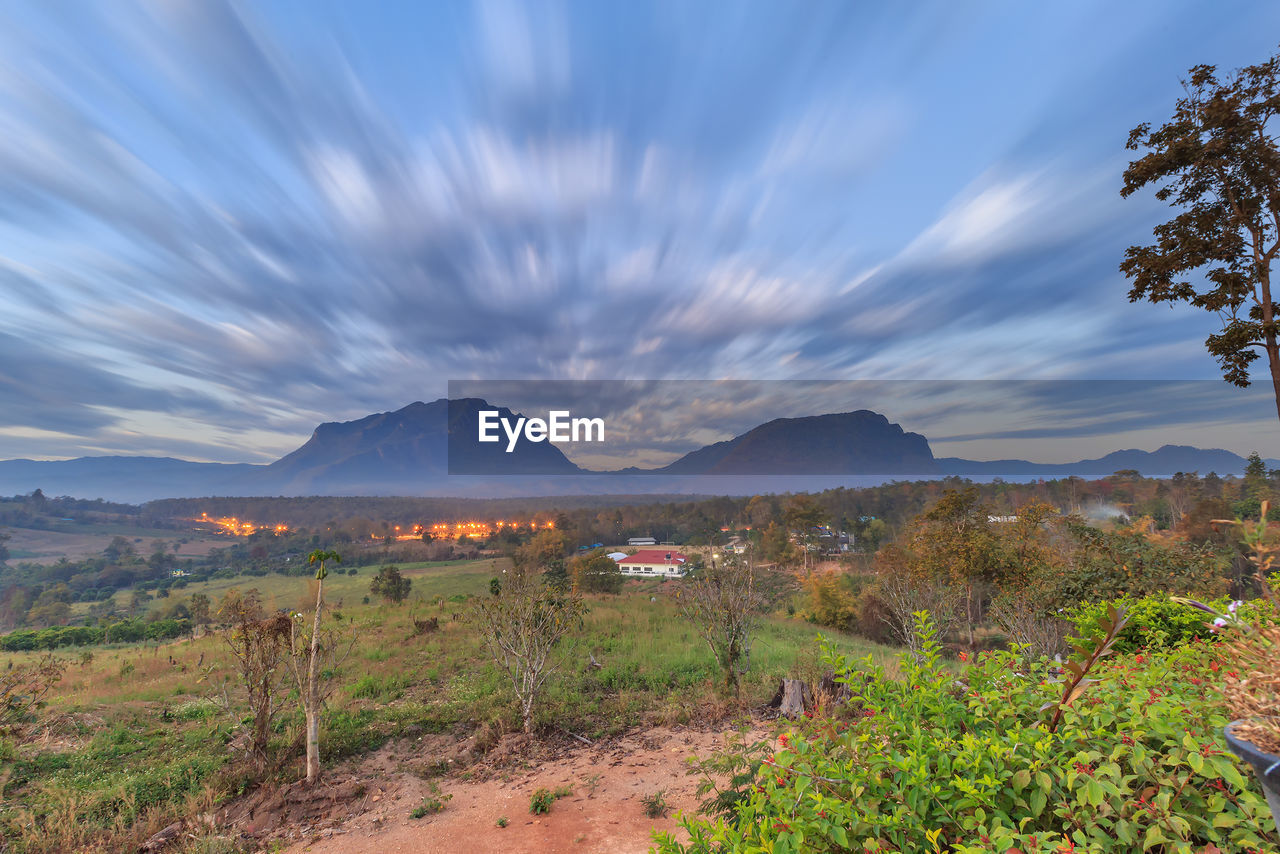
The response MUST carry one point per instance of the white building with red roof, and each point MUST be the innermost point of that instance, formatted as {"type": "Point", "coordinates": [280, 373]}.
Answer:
{"type": "Point", "coordinates": [653, 563]}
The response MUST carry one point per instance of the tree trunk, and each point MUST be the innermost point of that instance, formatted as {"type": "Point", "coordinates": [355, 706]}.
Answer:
{"type": "Point", "coordinates": [312, 700]}
{"type": "Point", "coordinates": [968, 614]}
{"type": "Point", "coordinates": [1273, 362]}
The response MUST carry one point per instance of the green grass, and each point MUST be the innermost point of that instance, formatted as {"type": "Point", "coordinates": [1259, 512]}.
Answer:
{"type": "Point", "coordinates": [155, 740]}
{"type": "Point", "coordinates": [341, 590]}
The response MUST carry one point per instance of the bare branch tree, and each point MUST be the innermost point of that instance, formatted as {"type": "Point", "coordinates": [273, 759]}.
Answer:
{"type": "Point", "coordinates": [521, 623]}
{"type": "Point", "coordinates": [260, 644]}
{"type": "Point", "coordinates": [1045, 635]}
{"type": "Point", "coordinates": [723, 603]}
{"type": "Point", "coordinates": [905, 596]}
{"type": "Point", "coordinates": [22, 692]}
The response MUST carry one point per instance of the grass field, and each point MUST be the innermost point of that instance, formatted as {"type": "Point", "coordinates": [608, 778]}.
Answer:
{"type": "Point", "coordinates": [76, 542]}
{"type": "Point", "coordinates": [139, 733]}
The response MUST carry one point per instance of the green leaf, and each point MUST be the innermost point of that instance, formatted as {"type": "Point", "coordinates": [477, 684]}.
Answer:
{"type": "Point", "coordinates": [1021, 779]}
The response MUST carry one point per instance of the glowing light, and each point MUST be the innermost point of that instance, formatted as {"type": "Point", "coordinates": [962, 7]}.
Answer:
{"type": "Point", "coordinates": [236, 527]}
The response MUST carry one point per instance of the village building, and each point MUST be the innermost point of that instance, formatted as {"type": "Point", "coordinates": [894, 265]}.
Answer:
{"type": "Point", "coordinates": [653, 563]}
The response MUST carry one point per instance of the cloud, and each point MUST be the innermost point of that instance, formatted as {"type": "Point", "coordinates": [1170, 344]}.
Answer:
{"type": "Point", "coordinates": [207, 214]}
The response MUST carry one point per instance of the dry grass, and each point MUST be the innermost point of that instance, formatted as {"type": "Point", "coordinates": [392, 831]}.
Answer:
{"type": "Point", "coordinates": [1252, 686]}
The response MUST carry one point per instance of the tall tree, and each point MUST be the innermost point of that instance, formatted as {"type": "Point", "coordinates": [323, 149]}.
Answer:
{"type": "Point", "coordinates": [954, 541]}
{"type": "Point", "coordinates": [1218, 161]}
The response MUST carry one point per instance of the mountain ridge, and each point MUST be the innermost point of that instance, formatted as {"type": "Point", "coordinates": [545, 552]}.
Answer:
{"type": "Point", "coordinates": [408, 452]}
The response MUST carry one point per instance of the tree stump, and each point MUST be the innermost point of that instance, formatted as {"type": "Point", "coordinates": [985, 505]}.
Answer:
{"type": "Point", "coordinates": [832, 693]}
{"type": "Point", "coordinates": [795, 698]}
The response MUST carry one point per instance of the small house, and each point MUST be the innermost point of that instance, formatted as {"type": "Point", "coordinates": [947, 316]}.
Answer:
{"type": "Point", "coordinates": [653, 563]}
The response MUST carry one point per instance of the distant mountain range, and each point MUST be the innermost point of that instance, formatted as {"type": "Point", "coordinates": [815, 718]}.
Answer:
{"type": "Point", "coordinates": [411, 452]}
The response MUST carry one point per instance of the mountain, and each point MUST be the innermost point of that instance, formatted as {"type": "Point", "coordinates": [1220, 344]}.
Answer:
{"type": "Point", "coordinates": [412, 451]}
{"type": "Point", "coordinates": [404, 451]}
{"type": "Point", "coordinates": [128, 479]}
{"type": "Point", "coordinates": [861, 443]}
{"type": "Point", "coordinates": [1162, 462]}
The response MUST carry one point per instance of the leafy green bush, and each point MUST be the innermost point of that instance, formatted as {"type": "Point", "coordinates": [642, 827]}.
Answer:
{"type": "Point", "coordinates": [1158, 622]}
{"type": "Point", "coordinates": [541, 802]}
{"type": "Point", "coordinates": [543, 799]}
{"type": "Point", "coordinates": [936, 762]}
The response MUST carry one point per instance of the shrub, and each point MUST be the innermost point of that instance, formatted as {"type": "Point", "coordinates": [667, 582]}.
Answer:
{"type": "Point", "coordinates": [934, 762]}
{"type": "Point", "coordinates": [542, 799]}
{"type": "Point", "coordinates": [1158, 622]}
{"type": "Point", "coordinates": [655, 805]}
{"type": "Point", "coordinates": [541, 802]}
{"type": "Point", "coordinates": [832, 601]}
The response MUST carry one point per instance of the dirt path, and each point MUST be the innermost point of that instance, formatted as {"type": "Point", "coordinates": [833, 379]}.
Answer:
{"type": "Point", "coordinates": [603, 814]}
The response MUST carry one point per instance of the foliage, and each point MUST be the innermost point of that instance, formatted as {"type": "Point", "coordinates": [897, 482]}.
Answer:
{"type": "Point", "coordinates": [933, 763]}
{"type": "Point", "coordinates": [595, 572]}
{"type": "Point", "coordinates": [124, 631]}
{"type": "Point", "coordinates": [521, 625]}
{"type": "Point", "coordinates": [390, 584]}
{"type": "Point", "coordinates": [723, 604]}
{"type": "Point", "coordinates": [1161, 622]}
{"type": "Point", "coordinates": [431, 804]}
{"type": "Point", "coordinates": [1110, 564]}
{"type": "Point", "coordinates": [655, 805]}
{"type": "Point", "coordinates": [546, 552]}
{"type": "Point", "coordinates": [1252, 684]}
{"type": "Point", "coordinates": [953, 542]}
{"type": "Point", "coordinates": [542, 799]}
{"type": "Point", "coordinates": [1075, 674]}
{"type": "Point", "coordinates": [832, 601]}
{"type": "Point", "coordinates": [1218, 161]}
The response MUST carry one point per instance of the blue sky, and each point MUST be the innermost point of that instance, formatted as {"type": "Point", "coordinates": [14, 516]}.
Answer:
{"type": "Point", "coordinates": [221, 224]}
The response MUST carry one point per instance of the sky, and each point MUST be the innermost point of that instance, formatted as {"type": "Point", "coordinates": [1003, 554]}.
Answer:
{"type": "Point", "coordinates": [222, 224]}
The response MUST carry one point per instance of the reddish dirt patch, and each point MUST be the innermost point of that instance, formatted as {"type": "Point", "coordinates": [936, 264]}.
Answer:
{"type": "Point", "coordinates": [603, 814]}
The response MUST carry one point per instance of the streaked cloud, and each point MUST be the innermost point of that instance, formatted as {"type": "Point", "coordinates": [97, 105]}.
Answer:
{"type": "Point", "coordinates": [248, 218]}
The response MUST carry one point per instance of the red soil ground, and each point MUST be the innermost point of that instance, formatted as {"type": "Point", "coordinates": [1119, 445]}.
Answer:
{"type": "Point", "coordinates": [604, 813]}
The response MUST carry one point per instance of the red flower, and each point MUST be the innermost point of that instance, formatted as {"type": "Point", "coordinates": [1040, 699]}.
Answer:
{"type": "Point", "coordinates": [964, 656]}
